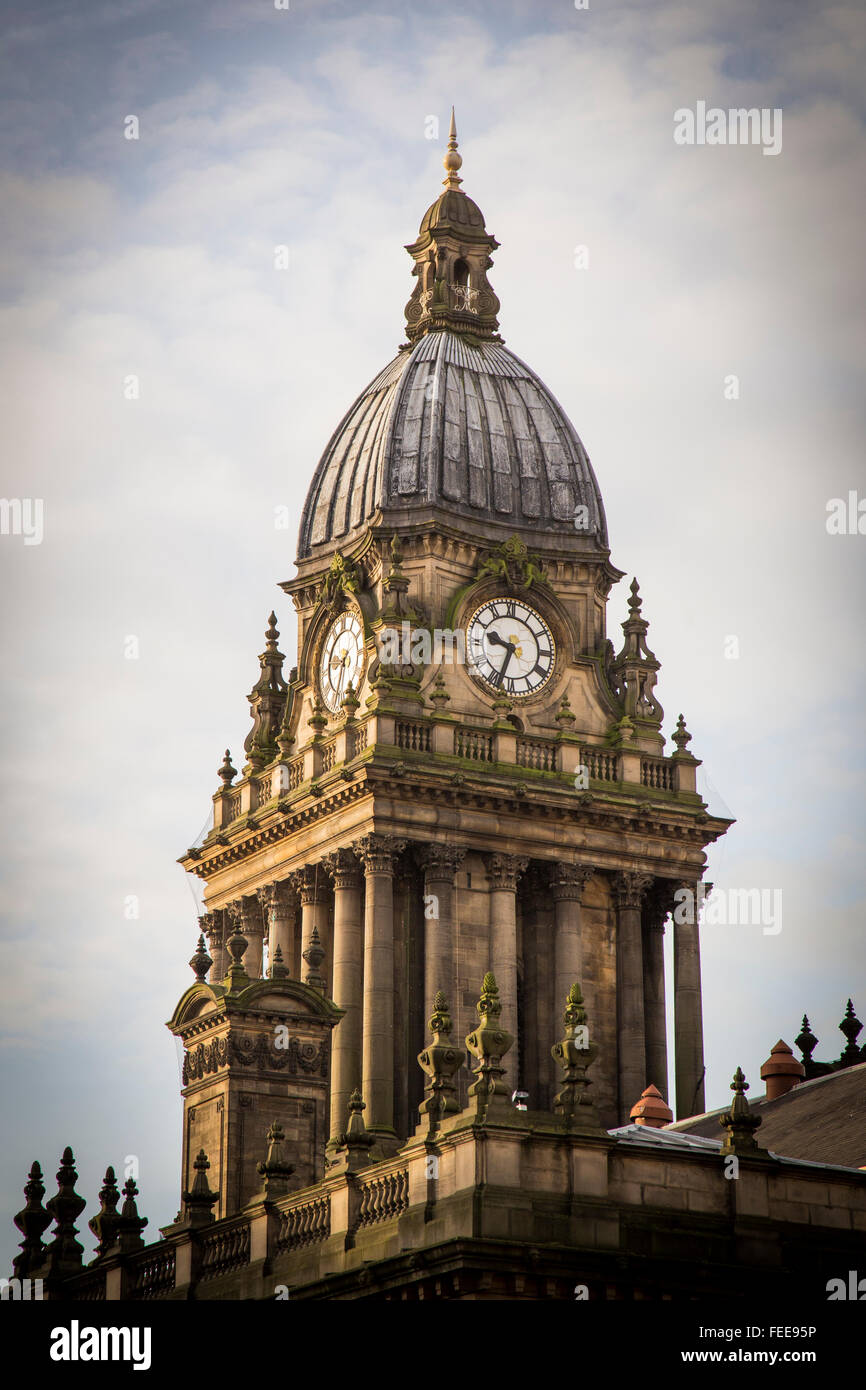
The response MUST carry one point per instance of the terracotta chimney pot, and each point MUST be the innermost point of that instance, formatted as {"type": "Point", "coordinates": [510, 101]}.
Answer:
{"type": "Point", "coordinates": [781, 1071]}
{"type": "Point", "coordinates": [651, 1110]}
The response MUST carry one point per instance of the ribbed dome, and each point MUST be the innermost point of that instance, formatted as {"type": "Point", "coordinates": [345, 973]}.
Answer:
{"type": "Point", "coordinates": [453, 208]}
{"type": "Point", "coordinates": [465, 429]}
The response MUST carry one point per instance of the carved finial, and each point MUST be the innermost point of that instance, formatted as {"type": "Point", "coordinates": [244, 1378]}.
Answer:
{"type": "Point", "coordinates": [575, 1054]}
{"type": "Point", "coordinates": [236, 977]}
{"type": "Point", "coordinates": [452, 161]}
{"type": "Point", "coordinates": [565, 715]}
{"type": "Point", "coordinates": [314, 955]}
{"type": "Point", "coordinates": [278, 968]}
{"type": "Point", "coordinates": [200, 962]}
{"type": "Point", "coordinates": [440, 1060]}
{"type": "Point", "coordinates": [739, 1121]}
{"type": "Point", "coordinates": [851, 1027]}
{"type": "Point", "coordinates": [489, 1004]}
{"type": "Point", "coordinates": [267, 704]}
{"type": "Point", "coordinates": [318, 719]}
{"type": "Point", "coordinates": [227, 773]}
{"type": "Point", "coordinates": [31, 1221]}
{"type": "Point", "coordinates": [350, 702]}
{"type": "Point", "coordinates": [681, 735]}
{"type": "Point", "coordinates": [105, 1223]}
{"type": "Point", "coordinates": [635, 603]}
{"type": "Point", "coordinates": [353, 1149]}
{"type": "Point", "coordinates": [199, 1200]}
{"type": "Point", "coordinates": [488, 1044]}
{"type": "Point", "coordinates": [276, 1169]}
{"type": "Point", "coordinates": [65, 1207]}
{"type": "Point", "coordinates": [128, 1226]}
{"type": "Point", "coordinates": [807, 1042]}
{"type": "Point", "coordinates": [439, 696]}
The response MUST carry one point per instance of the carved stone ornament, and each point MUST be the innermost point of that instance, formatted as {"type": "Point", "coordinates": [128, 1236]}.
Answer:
{"type": "Point", "coordinates": [514, 564]}
{"type": "Point", "coordinates": [341, 580]}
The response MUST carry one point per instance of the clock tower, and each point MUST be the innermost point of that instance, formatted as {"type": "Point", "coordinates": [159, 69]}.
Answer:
{"type": "Point", "coordinates": [461, 773]}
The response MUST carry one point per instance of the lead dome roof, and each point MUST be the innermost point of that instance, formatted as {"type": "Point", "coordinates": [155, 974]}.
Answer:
{"type": "Point", "coordinates": [466, 429]}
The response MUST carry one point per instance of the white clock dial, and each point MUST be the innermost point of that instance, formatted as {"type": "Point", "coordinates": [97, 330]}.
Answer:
{"type": "Point", "coordinates": [342, 659]}
{"type": "Point", "coordinates": [510, 647]}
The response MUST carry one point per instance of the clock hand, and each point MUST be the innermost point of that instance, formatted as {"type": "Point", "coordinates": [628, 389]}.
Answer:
{"type": "Point", "coordinates": [497, 640]}
{"type": "Point", "coordinates": [508, 655]}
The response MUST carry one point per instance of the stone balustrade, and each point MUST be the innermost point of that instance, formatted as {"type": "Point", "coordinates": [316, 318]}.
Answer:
{"type": "Point", "coordinates": [554, 759]}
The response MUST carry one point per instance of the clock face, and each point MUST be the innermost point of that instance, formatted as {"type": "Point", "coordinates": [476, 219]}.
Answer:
{"type": "Point", "coordinates": [510, 647]}
{"type": "Point", "coordinates": [342, 659]}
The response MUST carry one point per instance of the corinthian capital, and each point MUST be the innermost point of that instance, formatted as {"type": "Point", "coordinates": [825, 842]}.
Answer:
{"type": "Point", "coordinates": [310, 883]}
{"type": "Point", "coordinates": [630, 889]}
{"type": "Point", "coordinates": [276, 896]}
{"type": "Point", "coordinates": [567, 881]}
{"type": "Point", "coordinates": [659, 902]}
{"type": "Point", "coordinates": [378, 852]}
{"type": "Point", "coordinates": [504, 870]}
{"type": "Point", "coordinates": [344, 868]}
{"type": "Point", "coordinates": [440, 861]}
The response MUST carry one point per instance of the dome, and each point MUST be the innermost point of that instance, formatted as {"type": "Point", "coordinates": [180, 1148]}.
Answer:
{"type": "Point", "coordinates": [463, 428]}
{"type": "Point", "coordinates": [456, 424]}
{"type": "Point", "coordinates": [452, 208]}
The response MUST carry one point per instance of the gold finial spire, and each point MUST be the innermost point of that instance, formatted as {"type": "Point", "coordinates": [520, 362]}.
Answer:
{"type": "Point", "coordinates": [452, 161]}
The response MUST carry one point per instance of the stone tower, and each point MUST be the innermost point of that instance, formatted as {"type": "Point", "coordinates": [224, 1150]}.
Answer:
{"type": "Point", "coordinates": [462, 773]}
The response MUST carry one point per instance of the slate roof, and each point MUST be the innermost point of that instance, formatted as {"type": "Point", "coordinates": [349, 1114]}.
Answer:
{"type": "Point", "coordinates": [823, 1120]}
{"type": "Point", "coordinates": [464, 429]}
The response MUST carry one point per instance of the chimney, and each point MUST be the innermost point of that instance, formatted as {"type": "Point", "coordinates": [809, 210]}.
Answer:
{"type": "Point", "coordinates": [651, 1110]}
{"type": "Point", "coordinates": [781, 1071]}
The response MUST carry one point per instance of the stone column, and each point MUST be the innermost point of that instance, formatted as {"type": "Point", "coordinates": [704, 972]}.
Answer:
{"type": "Point", "coordinates": [631, 1034]}
{"type": "Point", "coordinates": [279, 905]}
{"type": "Point", "coordinates": [440, 863]}
{"type": "Point", "coordinates": [213, 924]}
{"type": "Point", "coordinates": [253, 928]}
{"type": "Point", "coordinates": [348, 960]}
{"type": "Point", "coordinates": [503, 871]}
{"type": "Point", "coordinates": [377, 854]}
{"type": "Point", "coordinates": [567, 883]}
{"type": "Point", "coordinates": [312, 883]}
{"type": "Point", "coordinates": [658, 904]}
{"type": "Point", "coordinates": [688, 1018]}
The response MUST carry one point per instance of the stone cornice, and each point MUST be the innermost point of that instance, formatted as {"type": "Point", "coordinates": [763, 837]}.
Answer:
{"type": "Point", "coordinates": [623, 813]}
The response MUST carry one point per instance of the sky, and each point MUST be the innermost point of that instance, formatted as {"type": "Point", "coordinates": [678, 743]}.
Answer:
{"type": "Point", "coordinates": [167, 391]}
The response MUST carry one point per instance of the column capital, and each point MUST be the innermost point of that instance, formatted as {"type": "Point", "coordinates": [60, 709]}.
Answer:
{"type": "Point", "coordinates": [235, 912]}
{"type": "Point", "coordinates": [567, 881]}
{"type": "Point", "coordinates": [440, 861]}
{"type": "Point", "coordinates": [310, 883]}
{"type": "Point", "coordinates": [504, 870]}
{"type": "Point", "coordinates": [630, 889]}
{"type": "Point", "coordinates": [377, 853]}
{"type": "Point", "coordinates": [344, 868]}
{"type": "Point", "coordinates": [660, 901]}
{"type": "Point", "coordinates": [281, 893]}
{"type": "Point", "coordinates": [251, 913]}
